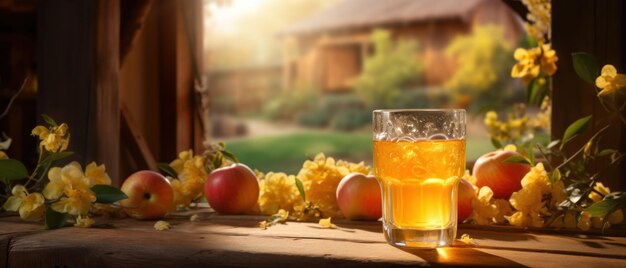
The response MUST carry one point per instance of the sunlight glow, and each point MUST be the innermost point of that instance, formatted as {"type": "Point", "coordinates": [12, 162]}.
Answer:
{"type": "Point", "coordinates": [223, 18]}
{"type": "Point", "coordinates": [442, 253]}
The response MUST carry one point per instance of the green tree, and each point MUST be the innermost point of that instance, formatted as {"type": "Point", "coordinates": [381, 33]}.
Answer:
{"type": "Point", "coordinates": [394, 65]}
{"type": "Point", "coordinates": [483, 64]}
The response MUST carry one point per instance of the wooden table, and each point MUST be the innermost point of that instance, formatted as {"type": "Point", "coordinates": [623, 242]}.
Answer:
{"type": "Point", "coordinates": [237, 241]}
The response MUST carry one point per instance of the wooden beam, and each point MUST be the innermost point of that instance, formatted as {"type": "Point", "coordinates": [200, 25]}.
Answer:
{"type": "Point", "coordinates": [177, 79]}
{"type": "Point", "coordinates": [167, 78]}
{"type": "Point", "coordinates": [133, 14]}
{"type": "Point", "coordinates": [138, 148]}
{"type": "Point", "coordinates": [77, 66]}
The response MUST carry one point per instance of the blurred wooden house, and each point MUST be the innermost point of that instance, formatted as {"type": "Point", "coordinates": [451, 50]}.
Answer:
{"type": "Point", "coordinates": [328, 49]}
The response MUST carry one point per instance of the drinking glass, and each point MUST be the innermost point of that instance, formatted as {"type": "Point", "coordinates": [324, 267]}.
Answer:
{"type": "Point", "coordinates": [419, 159]}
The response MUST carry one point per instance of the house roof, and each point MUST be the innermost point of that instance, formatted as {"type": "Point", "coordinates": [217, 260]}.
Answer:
{"type": "Point", "coordinates": [367, 13]}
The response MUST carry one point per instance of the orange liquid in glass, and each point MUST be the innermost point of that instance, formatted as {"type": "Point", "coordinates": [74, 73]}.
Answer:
{"type": "Point", "coordinates": [419, 180]}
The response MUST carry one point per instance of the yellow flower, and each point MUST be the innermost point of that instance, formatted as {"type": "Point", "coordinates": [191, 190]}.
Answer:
{"type": "Point", "coordinates": [191, 178]}
{"type": "Point", "coordinates": [72, 188]}
{"type": "Point", "coordinates": [3, 155]}
{"type": "Point", "coordinates": [465, 238]}
{"type": "Point", "coordinates": [53, 139]}
{"type": "Point", "coordinates": [526, 66]}
{"type": "Point", "coordinates": [532, 61]}
{"type": "Point", "coordinates": [487, 210]}
{"type": "Point", "coordinates": [522, 219]}
{"type": "Point", "coordinates": [96, 174]}
{"type": "Point", "coordinates": [548, 59]}
{"type": "Point", "coordinates": [320, 178]}
{"type": "Point", "coordinates": [599, 188]}
{"type": "Point", "coordinates": [325, 223]}
{"type": "Point", "coordinates": [183, 157]}
{"type": "Point", "coordinates": [69, 177]}
{"type": "Point", "coordinates": [76, 202]}
{"type": "Point", "coordinates": [162, 225]}
{"type": "Point", "coordinates": [278, 191]}
{"type": "Point", "coordinates": [609, 80]}
{"type": "Point", "coordinates": [83, 222]}
{"type": "Point", "coordinates": [30, 206]}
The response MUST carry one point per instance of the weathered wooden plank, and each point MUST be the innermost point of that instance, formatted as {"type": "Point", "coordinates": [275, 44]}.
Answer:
{"type": "Point", "coordinates": [236, 241]}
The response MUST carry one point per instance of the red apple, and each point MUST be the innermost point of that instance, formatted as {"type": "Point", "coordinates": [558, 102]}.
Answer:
{"type": "Point", "coordinates": [503, 178]}
{"type": "Point", "coordinates": [466, 193]}
{"type": "Point", "coordinates": [232, 189]}
{"type": "Point", "coordinates": [359, 198]}
{"type": "Point", "coordinates": [150, 195]}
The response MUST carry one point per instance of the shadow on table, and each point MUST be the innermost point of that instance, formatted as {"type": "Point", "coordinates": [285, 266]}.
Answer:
{"type": "Point", "coordinates": [462, 257]}
{"type": "Point", "coordinates": [368, 226]}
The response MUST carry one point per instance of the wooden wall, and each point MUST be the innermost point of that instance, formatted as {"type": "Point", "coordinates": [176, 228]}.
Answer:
{"type": "Point", "coordinates": [129, 115]}
{"type": "Point", "coordinates": [597, 27]}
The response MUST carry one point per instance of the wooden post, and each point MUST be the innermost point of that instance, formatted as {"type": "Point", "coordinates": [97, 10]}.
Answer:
{"type": "Point", "coordinates": [176, 76]}
{"type": "Point", "coordinates": [77, 66]}
{"type": "Point", "coordinates": [599, 28]}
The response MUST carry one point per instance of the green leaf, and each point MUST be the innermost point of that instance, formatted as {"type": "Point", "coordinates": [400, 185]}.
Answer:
{"type": "Point", "coordinates": [300, 189]}
{"type": "Point", "coordinates": [5, 144]}
{"type": "Point", "coordinates": [49, 120]}
{"type": "Point", "coordinates": [586, 67]}
{"type": "Point", "coordinates": [496, 143]}
{"type": "Point", "coordinates": [606, 152]}
{"type": "Point", "coordinates": [517, 159]}
{"type": "Point", "coordinates": [230, 156]}
{"type": "Point", "coordinates": [106, 194]}
{"type": "Point", "coordinates": [54, 219]}
{"type": "Point", "coordinates": [167, 169]}
{"type": "Point", "coordinates": [601, 208]}
{"type": "Point", "coordinates": [11, 169]}
{"type": "Point", "coordinates": [536, 92]}
{"type": "Point", "coordinates": [553, 143]}
{"type": "Point", "coordinates": [555, 176]}
{"type": "Point", "coordinates": [55, 157]}
{"type": "Point", "coordinates": [575, 128]}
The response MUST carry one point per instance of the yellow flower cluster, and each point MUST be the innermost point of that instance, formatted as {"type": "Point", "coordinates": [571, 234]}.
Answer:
{"type": "Point", "coordinates": [29, 205]}
{"type": "Point", "coordinates": [326, 223]}
{"type": "Point", "coordinates": [68, 189]}
{"type": "Point", "coordinates": [609, 80]}
{"type": "Point", "coordinates": [320, 178]}
{"type": "Point", "coordinates": [487, 210]}
{"type": "Point", "coordinates": [70, 186]}
{"type": "Point", "coordinates": [533, 61]}
{"type": "Point", "coordinates": [518, 124]}
{"type": "Point", "coordinates": [536, 198]}
{"type": "Point", "coordinates": [278, 191]}
{"type": "Point", "coordinates": [53, 139]}
{"type": "Point", "coordinates": [505, 131]}
{"type": "Point", "coordinates": [192, 175]}
{"type": "Point", "coordinates": [598, 193]}
{"type": "Point", "coordinates": [539, 17]}
{"type": "Point", "coordinates": [162, 225]}
{"type": "Point", "coordinates": [83, 222]}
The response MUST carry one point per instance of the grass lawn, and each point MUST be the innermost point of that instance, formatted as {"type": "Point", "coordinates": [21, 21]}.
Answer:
{"type": "Point", "coordinates": [286, 153]}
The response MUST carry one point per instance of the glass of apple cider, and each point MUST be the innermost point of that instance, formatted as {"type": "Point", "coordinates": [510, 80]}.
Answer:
{"type": "Point", "coordinates": [419, 159]}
